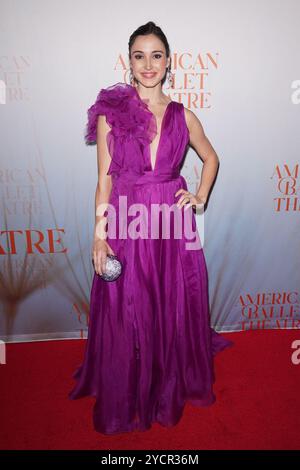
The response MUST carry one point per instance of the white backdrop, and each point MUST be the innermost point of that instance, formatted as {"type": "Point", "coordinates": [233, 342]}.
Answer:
{"type": "Point", "coordinates": [237, 67]}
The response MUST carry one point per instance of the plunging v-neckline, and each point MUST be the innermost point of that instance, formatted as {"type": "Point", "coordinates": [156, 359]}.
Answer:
{"type": "Point", "coordinates": [161, 130]}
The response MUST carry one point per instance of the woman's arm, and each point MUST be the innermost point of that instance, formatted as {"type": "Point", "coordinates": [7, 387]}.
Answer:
{"type": "Point", "coordinates": [206, 152]}
{"type": "Point", "coordinates": [104, 184]}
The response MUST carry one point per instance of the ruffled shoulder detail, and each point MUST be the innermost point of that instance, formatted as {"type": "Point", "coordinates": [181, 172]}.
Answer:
{"type": "Point", "coordinates": [126, 113]}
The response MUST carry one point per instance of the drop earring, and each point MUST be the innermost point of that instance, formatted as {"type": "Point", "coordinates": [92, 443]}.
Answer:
{"type": "Point", "coordinates": [131, 78]}
{"type": "Point", "coordinates": [170, 78]}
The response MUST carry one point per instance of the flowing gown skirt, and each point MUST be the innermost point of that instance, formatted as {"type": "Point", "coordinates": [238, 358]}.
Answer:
{"type": "Point", "coordinates": [150, 346]}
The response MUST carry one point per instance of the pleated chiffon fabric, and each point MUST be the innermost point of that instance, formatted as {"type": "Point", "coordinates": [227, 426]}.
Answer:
{"type": "Point", "coordinates": [150, 346]}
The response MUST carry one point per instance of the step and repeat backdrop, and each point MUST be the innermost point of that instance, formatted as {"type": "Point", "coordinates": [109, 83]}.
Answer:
{"type": "Point", "coordinates": [236, 66]}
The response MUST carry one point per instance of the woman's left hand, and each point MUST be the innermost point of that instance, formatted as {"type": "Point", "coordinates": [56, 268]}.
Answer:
{"type": "Point", "coordinates": [188, 199]}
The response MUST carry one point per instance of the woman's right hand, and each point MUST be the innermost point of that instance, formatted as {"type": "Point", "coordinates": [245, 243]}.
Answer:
{"type": "Point", "coordinates": [100, 250]}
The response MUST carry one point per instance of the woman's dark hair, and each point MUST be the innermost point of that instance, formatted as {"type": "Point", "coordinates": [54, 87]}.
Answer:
{"type": "Point", "coordinates": [149, 28]}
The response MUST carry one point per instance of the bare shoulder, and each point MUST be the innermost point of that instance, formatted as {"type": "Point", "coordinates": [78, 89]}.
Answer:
{"type": "Point", "coordinates": [191, 119]}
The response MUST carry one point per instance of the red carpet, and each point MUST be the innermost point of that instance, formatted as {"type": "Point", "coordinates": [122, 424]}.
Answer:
{"type": "Point", "coordinates": [257, 407]}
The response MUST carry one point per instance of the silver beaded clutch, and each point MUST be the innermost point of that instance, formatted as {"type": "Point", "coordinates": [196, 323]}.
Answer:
{"type": "Point", "coordinates": [113, 268]}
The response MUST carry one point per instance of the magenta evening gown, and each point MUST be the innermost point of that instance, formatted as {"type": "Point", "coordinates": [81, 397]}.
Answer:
{"type": "Point", "coordinates": [150, 345]}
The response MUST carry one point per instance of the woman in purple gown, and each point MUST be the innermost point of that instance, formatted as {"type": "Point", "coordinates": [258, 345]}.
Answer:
{"type": "Point", "coordinates": [150, 346]}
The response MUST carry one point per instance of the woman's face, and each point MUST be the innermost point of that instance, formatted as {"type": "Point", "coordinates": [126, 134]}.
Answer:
{"type": "Point", "coordinates": [148, 60]}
